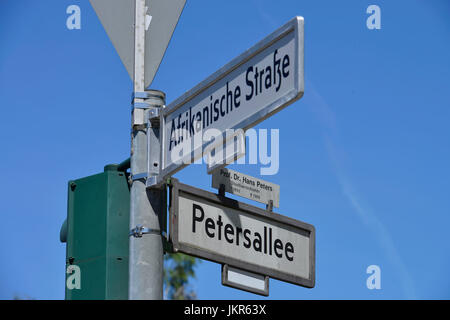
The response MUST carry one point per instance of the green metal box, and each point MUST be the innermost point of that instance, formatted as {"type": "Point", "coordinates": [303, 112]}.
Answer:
{"type": "Point", "coordinates": [96, 232]}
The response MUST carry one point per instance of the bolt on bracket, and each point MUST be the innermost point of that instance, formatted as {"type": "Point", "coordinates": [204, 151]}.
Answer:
{"type": "Point", "coordinates": [140, 230]}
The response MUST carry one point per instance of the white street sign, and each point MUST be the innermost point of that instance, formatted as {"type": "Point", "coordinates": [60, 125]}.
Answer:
{"type": "Point", "coordinates": [244, 280]}
{"type": "Point", "coordinates": [252, 87]}
{"type": "Point", "coordinates": [231, 150]}
{"type": "Point", "coordinates": [246, 186]}
{"type": "Point", "coordinates": [226, 231]}
{"type": "Point", "coordinates": [117, 18]}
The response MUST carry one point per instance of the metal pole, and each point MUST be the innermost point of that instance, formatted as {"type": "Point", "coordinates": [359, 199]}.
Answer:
{"type": "Point", "coordinates": [146, 206]}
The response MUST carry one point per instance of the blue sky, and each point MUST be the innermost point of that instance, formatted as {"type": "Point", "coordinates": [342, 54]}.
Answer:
{"type": "Point", "coordinates": [364, 155]}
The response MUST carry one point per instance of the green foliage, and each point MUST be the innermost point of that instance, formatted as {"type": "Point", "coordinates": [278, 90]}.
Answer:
{"type": "Point", "coordinates": [178, 269]}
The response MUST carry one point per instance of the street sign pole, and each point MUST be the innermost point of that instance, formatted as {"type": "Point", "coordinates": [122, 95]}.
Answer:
{"type": "Point", "coordinates": [140, 31]}
{"type": "Point", "coordinates": [146, 206]}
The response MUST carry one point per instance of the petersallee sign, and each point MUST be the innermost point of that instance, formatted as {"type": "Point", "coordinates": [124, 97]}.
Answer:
{"type": "Point", "coordinates": [224, 230]}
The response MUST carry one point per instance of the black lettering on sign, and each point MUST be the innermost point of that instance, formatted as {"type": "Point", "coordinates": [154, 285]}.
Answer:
{"type": "Point", "coordinates": [253, 240]}
{"type": "Point", "coordinates": [196, 208]}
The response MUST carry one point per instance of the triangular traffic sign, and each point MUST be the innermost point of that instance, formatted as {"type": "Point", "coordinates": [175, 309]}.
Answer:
{"type": "Point", "coordinates": [117, 18]}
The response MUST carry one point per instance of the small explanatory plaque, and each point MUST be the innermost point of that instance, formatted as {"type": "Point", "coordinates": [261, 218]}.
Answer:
{"type": "Point", "coordinates": [246, 186]}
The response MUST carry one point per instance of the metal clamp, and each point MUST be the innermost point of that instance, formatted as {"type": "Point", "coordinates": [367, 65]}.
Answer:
{"type": "Point", "coordinates": [140, 127]}
{"type": "Point", "coordinates": [139, 95]}
{"type": "Point", "coordinates": [153, 117]}
{"type": "Point", "coordinates": [140, 230]}
{"type": "Point", "coordinates": [140, 105]}
{"type": "Point", "coordinates": [222, 190]}
{"type": "Point", "coordinates": [152, 181]}
{"type": "Point", "coordinates": [144, 95]}
{"type": "Point", "coordinates": [144, 105]}
{"type": "Point", "coordinates": [152, 99]}
{"type": "Point", "coordinates": [269, 206]}
{"type": "Point", "coordinates": [139, 176]}
{"type": "Point", "coordinates": [153, 113]}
